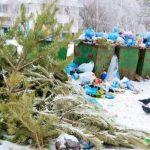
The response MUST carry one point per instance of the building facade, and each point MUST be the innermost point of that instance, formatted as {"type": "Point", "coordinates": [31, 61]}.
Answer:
{"type": "Point", "coordinates": [68, 10]}
{"type": "Point", "coordinates": [4, 14]}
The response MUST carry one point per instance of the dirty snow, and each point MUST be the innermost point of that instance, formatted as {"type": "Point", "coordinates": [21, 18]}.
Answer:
{"type": "Point", "coordinates": [127, 110]}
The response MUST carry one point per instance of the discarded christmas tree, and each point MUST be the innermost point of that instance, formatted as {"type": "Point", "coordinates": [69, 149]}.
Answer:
{"type": "Point", "coordinates": [31, 73]}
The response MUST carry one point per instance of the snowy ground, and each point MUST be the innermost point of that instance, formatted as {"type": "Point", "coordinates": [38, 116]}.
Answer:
{"type": "Point", "coordinates": [127, 110]}
{"type": "Point", "coordinates": [5, 145]}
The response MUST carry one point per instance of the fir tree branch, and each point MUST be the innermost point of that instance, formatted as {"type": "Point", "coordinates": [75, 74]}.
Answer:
{"type": "Point", "coordinates": [8, 60]}
{"type": "Point", "coordinates": [27, 64]}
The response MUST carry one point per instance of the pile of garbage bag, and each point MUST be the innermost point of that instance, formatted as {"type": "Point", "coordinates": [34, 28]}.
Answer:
{"type": "Point", "coordinates": [103, 86]}
{"type": "Point", "coordinates": [124, 38]}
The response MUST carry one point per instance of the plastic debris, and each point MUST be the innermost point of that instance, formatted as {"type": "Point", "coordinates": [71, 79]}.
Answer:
{"type": "Point", "coordinates": [89, 34]}
{"type": "Point", "coordinates": [86, 67]}
{"type": "Point", "coordinates": [86, 145]}
{"type": "Point", "coordinates": [86, 78]}
{"type": "Point", "coordinates": [147, 140]}
{"type": "Point", "coordinates": [123, 38]}
{"type": "Point", "coordinates": [109, 96]}
{"type": "Point", "coordinates": [65, 141]}
{"type": "Point", "coordinates": [112, 74]}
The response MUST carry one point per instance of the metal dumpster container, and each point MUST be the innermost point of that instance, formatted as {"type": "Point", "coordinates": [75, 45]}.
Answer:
{"type": "Point", "coordinates": [84, 53]}
{"type": "Point", "coordinates": [99, 54]}
{"type": "Point", "coordinates": [144, 62]}
{"type": "Point", "coordinates": [103, 59]}
{"type": "Point", "coordinates": [62, 53]}
{"type": "Point", "coordinates": [132, 60]}
{"type": "Point", "coordinates": [128, 61]}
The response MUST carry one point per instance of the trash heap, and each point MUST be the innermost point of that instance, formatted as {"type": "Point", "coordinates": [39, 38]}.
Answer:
{"type": "Point", "coordinates": [123, 38]}
{"type": "Point", "coordinates": [104, 86]}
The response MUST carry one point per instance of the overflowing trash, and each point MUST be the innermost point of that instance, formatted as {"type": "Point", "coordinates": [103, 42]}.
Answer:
{"type": "Point", "coordinates": [104, 86]}
{"type": "Point", "coordinates": [121, 37]}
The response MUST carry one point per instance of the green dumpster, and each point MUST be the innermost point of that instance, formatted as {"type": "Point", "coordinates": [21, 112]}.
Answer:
{"type": "Point", "coordinates": [132, 60]}
{"type": "Point", "coordinates": [62, 53]}
{"type": "Point", "coordinates": [99, 54]}
{"type": "Point", "coordinates": [103, 59]}
{"type": "Point", "coordinates": [144, 62]}
{"type": "Point", "coordinates": [128, 61]}
{"type": "Point", "coordinates": [84, 53]}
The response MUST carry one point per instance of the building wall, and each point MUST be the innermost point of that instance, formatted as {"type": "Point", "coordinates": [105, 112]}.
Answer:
{"type": "Point", "coordinates": [68, 10]}
{"type": "Point", "coordinates": [4, 12]}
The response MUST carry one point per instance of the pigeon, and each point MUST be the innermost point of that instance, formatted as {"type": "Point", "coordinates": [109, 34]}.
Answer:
{"type": "Point", "coordinates": [145, 101]}
{"type": "Point", "coordinates": [146, 109]}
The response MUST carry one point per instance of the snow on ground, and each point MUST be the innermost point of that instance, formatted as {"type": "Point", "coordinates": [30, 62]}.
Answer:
{"type": "Point", "coordinates": [127, 110]}
{"type": "Point", "coordinates": [5, 145]}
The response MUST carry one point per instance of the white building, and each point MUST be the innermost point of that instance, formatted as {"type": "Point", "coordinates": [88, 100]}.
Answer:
{"type": "Point", "coordinates": [8, 12]}
{"type": "Point", "coordinates": [68, 10]}
{"type": "Point", "coordinates": [4, 13]}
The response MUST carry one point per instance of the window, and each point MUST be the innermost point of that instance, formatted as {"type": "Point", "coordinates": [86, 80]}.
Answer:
{"type": "Point", "coordinates": [3, 8]}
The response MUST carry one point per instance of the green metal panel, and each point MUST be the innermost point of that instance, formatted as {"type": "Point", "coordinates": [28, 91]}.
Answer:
{"type": "Point", "coordinates": [128, 61]}
{"type": "Point", "coordinates": [100, 55]}
{"type": "Point", "coordinates": [62, 53]}
{"type": "Point", "coordinates": [85, 53]}
{"type": "Point", "coordinates": [146, 65]}
{"type": "Point", "coordinates": [103, 59]}
{"type": "Point", "coordinates": [140, 61]}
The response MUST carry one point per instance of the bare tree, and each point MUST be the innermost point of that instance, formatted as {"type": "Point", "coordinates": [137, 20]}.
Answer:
{"type": "Point", "coordinates": [103, 15]}
{"type": "Point", "coordinates": [145, 13]}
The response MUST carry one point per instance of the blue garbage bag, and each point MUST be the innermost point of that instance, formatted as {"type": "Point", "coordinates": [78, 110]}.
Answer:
{"type": "Point", "coordinates": [67, 69]}
{"type": "Point", "coordinates": [75, 76]}
{"type": "Point", "coordinates": [147, 44]}
{"type": "Point", "coordinates": [128, 85]}
{"type": "Point", "coordinates": [71, 67]}
{"type": "Point", "coordinates": [86, 145]}
{"type": "Point", "coordinates": [148, 35]}
{"type": "Point", "coordinates": [89, 34]}
{"type": "Point", "coordinates": [90, 91]}
{"type": "Point", "coordinates": [109, 96]}
{"type": "Point", "coordinates": [148, 39]}
{"type": "Point", "coordinates": [115, 84]}
{"type": "Point", "coordinates": [99, 34]}
{"type": "Point", "coordinates": [113, 36]}
{"type": "Point", "coordinates": [130, 42]}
